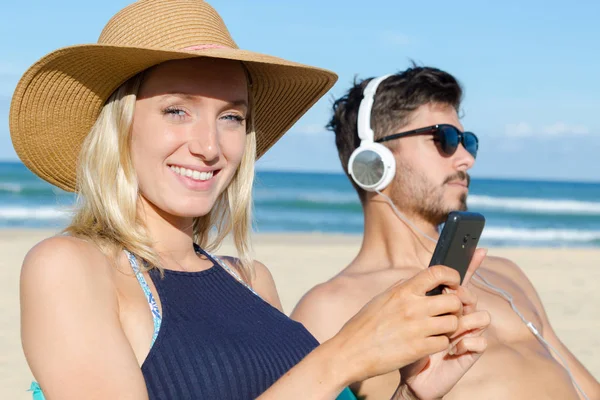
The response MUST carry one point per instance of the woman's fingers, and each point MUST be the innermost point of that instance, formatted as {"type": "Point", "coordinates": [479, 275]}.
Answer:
{"type": "Point", "coordinates": [467, 296]}
{"type": "Point", "coordinates": [443, 325]}
{"type": "Point", "coordinates": [444, 304]}
{"type": "Point", "coordinates": [475, 263]}
{"type": "Point", "coordinates": [476, 344]}
{"type": "Point", "coordinates": [403, 324]}
{"type": "Point", "coordinates": [474, 323]}
{"type": "Point", "coordinates": [433, 277]}
{"type": "Point", "coordinates": [435, 344]}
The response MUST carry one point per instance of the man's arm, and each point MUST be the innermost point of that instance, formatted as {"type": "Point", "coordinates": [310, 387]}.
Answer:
{"type": "Point", "coordinates": [586, 381]}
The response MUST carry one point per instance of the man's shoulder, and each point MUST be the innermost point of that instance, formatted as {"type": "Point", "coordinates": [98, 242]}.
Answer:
{"type": "Point", "coordinates": [325, 308]}
{"type": "Point", "coordinates": [511, 274]}
{"type": "Point", "coordinates": [506, 268]}
{"type": "Point", "coordinates": [328, 296]}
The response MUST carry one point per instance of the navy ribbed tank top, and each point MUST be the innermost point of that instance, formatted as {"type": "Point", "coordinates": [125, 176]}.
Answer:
{"type": "Point", "coordinates": [217, 339]}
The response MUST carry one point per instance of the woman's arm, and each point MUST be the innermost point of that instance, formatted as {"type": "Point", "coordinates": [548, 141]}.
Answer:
{"type": "Point", "coordinates": [395, 329]}
{"type": "Point", "coordinates": [70, 328]}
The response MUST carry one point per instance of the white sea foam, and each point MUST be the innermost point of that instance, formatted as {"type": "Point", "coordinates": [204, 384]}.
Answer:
{"type": "Point", "coordinates": [540, 235]}
{"type": "Point", "coordinates": [530, 205]}
{"type": "Point", "coordinates": [36, 213]}
{"type": "Point", "coordinates": [11, 187]}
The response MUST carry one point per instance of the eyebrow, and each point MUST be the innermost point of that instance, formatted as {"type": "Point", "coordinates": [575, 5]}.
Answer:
{"type": "Point", "coordinates": [190, 97]}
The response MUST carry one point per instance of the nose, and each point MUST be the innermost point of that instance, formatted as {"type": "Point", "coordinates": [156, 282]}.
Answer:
{"type": "Point", "coordinates": [204, 141]}
{"type": "Point", "coordinates": [463, 160]}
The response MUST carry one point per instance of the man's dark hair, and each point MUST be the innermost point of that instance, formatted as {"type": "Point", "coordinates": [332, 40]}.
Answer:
{"type": "Point", "coordinates": [397, 98]}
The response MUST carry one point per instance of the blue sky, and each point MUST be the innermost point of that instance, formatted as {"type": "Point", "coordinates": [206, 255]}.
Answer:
{"type": "Point", "coordinates": [530, 69]}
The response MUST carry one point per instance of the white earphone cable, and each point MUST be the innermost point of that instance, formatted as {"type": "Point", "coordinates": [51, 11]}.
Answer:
{"type": "Point", "coordinates": [403, 218]}
{"type": "Point", "coordinates": [507, 296]}
{"type": "Point", "coordinates": [532, 328]}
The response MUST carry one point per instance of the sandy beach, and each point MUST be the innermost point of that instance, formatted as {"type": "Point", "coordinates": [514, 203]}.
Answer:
{"type": "Point", "coordinates": [566, 280]}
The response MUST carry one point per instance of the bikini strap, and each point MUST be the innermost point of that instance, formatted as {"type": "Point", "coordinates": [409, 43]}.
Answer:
{"type": "Point", "coordinates": [156, 317]}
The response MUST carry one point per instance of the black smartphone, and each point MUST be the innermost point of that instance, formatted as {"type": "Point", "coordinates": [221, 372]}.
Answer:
{"type": "Point", "coordinates": [457, 243]}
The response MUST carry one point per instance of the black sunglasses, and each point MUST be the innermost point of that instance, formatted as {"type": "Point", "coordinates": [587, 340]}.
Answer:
{"type": "Point", "coordinates": [448, 136]}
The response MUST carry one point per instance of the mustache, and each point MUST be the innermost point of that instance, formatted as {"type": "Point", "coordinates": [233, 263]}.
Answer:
{"type": "Point", "coordinates": [459, 176]}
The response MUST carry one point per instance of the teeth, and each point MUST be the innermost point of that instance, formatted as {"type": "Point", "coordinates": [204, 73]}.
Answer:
{"type": "Point", "coordinates": [190, 173]}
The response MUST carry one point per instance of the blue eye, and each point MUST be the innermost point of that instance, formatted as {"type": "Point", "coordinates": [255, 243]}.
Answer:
{"type": "Point", "coordinates": [174, 111]}
{"type": "Point", "coordinates": [234, 118]}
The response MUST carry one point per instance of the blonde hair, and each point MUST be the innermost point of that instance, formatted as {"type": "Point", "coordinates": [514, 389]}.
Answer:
{"type": "Point", "coordinates": [106, 209]}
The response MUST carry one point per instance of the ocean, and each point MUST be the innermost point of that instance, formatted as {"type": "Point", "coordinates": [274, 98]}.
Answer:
{"type": "Point", "coordinates": [518, 212]}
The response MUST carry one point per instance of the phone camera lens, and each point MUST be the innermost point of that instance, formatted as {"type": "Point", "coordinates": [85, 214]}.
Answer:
{"type": "Point", "coordinates": [466, 239]}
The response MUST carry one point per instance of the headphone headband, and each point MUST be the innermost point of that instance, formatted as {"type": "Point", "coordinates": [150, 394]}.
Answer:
{"type": "Point", "coordinates": [372, 165]}
{"type": "Point", "coordinates": [365, 132]}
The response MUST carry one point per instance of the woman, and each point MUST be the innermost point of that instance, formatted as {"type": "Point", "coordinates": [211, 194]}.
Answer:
{"type": "Point", "coordinates": [157, 128]}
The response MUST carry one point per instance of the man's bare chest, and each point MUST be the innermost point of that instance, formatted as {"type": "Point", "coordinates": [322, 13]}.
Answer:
{"type": "Point", "coordinates": [507, 325]}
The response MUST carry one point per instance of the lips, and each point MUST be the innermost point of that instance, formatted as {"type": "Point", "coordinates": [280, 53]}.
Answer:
{"type": "Point", "coordinates": [464, 184]}
{"type": "Point", "coordinates": [460, 178]}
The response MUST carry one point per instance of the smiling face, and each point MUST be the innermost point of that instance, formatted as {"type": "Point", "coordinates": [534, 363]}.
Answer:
{"type": "Point", "coordinates": [188, 134]}
{"type": "Point", "coordinates": [428, 182]}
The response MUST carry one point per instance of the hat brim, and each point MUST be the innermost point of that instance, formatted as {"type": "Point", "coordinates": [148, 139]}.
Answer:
{"type": "Point", "coordinates": [59, 98]}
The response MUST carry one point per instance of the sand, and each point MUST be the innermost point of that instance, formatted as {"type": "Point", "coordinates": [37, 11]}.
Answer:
{"type": "Point", "coordinates": [566, 279]}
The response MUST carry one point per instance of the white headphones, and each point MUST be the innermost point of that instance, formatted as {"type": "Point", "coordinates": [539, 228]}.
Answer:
{"type": "Point", "coordinates": [372, 165]}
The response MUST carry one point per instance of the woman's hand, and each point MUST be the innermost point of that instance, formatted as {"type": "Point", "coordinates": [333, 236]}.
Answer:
{"type": "Point", "coordinates": [400, 326]}
{"type": "Point", "coordinates": [433, 377]}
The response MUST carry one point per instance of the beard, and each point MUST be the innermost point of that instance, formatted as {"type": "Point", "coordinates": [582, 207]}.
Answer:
{"type": "Point", "coordinates": [414, 193]}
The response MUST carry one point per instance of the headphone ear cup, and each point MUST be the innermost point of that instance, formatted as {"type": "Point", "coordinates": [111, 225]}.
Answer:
{"type": "Point", "coordinates": [372, 166]}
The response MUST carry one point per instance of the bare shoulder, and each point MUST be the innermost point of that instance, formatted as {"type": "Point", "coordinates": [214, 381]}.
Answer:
{"type": "Point", "coordinates": [330, 294]}
{"type": "Point", "coordinates": [512, 278]}
{"type": "Point", "coordinates": [264, 284]}
{"type": "Point", "coordinates": [325, 308]}
{"type": "Point", "coordinates": [262, 275]}
{"type": "Point", "coordinates": [65, 267]}
{"type": "Point", "coordinates": [261, 280]}
{"type": "Point", "coordinates": [508, 270]}
{"type": "Point", "coordinates": [68, 300]}
{"type": "Point", "coordinates": [64, 259]}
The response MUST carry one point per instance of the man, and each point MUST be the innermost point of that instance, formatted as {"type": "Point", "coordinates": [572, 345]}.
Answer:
{"type": "Point", "coordinates": [430, 159]}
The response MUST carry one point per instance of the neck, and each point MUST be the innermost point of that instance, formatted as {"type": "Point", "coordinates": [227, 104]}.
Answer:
{"type": "Point", "coordinates": [389, 242]}
{"type": "Point", "coordinates": [172, 237]}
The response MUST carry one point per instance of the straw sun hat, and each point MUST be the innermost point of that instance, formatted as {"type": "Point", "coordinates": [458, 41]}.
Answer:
{"type": "Point", "coordinates": [60, 97]}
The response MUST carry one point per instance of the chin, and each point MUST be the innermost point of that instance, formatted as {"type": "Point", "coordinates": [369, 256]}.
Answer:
{"type": "Point", "coordinates": [457, 204]}
{"type": "Point", "coordinates": [193, 212]}
{"type": "Point", "coordinates": [191, 209]}
{"type": "Point", "coordinates": [461, 207]}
